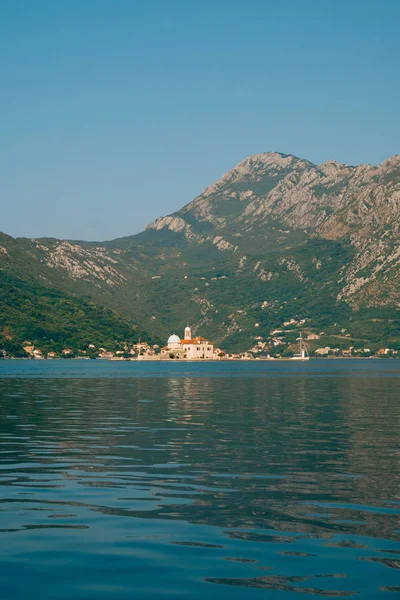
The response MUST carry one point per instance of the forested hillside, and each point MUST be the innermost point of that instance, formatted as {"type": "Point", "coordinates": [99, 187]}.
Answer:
{"type": "Point", "coordinates": [52, 321]}
{"type": "Point", "coordinates": [276, 239]}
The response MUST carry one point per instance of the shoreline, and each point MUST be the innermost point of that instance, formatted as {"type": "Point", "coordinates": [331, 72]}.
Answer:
{"type": "Point", "coordinates": [203, 360]}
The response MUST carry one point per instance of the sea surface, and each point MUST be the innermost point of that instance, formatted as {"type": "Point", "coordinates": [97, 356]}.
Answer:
{"type": "Point", "coordinates": [245, 480]}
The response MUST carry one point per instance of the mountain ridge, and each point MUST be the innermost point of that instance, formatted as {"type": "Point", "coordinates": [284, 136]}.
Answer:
{"type": "Point", "coordinates": [274, 228]}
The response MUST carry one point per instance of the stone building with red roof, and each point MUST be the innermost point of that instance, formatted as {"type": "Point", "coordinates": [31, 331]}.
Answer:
{"type": "Point", "coordinates": [189, 348]}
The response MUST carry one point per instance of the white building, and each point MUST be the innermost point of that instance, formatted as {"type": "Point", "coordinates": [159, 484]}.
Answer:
{"type": "Point", "coordinates": [190, 348]}
{"type": "Point", "coordinates": [323, 351]}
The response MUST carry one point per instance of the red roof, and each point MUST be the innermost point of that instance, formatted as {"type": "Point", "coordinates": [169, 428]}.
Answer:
{"type": "Point", "coordinates": [195, 341]}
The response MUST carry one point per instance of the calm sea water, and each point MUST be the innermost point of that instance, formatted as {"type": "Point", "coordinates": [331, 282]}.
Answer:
{"type": "Point", "coordinates": [229, 480]}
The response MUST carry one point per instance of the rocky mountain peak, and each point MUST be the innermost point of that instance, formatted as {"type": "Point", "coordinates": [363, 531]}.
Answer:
{"type": "Point", "coordinates": [393, 162]}
{"type": "Point", "coordinates": [330, 197]}
{"type": "Point", "coordinates": [333, 167]}
{"type": "Point", "coordinates": [277, 237]}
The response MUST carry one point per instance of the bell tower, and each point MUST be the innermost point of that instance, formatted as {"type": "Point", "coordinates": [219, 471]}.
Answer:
{"type": "Point", "coordinates": [188, 333]}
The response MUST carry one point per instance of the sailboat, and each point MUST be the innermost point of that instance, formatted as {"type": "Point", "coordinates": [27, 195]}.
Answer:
{"type": "Point", "coordinates": [303, 350]}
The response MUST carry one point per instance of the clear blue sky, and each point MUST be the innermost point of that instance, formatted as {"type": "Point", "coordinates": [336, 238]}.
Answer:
{"type": "Point", "coordinates": [114, 112]}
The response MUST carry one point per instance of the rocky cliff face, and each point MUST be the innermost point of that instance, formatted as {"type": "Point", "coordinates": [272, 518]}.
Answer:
{"type": "Point", "coordinates": [359, 205]}
{"type": "Point", "coordinates": [276, 237]}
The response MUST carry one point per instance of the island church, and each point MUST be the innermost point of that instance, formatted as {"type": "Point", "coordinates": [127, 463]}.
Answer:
{"type": "Point", "coordinates": [189, 348]}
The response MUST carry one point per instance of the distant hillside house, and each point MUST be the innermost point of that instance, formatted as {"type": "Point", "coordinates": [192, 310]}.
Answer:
{"type": "Point", "coordinates": [190, 348]}
{"type": "Point", "coordinates": [323, 351]}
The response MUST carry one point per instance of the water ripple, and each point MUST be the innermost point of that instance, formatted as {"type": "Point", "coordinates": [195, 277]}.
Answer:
{"type": "Point", "coordinates": [199, 485]}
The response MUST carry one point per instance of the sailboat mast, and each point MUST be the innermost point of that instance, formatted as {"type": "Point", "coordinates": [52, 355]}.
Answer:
{"type": "Point", "coordinates": [301, 345]}
{"type": "Point", "coordinates": [303, 352]}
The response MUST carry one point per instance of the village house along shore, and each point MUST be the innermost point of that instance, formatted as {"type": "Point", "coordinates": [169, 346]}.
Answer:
{"type": "Point", "coordinates": [197, 348]}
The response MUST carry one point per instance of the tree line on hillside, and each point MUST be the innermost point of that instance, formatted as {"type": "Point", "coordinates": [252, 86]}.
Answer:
{"type": "Point", "coordinates": [51, 320]}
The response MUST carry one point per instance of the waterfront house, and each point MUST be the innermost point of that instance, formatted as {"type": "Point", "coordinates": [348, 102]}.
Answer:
{"type": "Point", "coordinates": [188, 348]}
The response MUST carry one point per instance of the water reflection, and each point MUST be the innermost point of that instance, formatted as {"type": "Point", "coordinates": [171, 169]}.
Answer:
{"type": "Point", "coordinates": [198, 482]}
